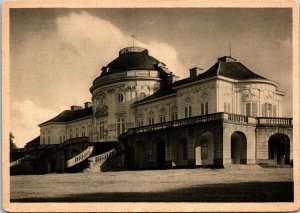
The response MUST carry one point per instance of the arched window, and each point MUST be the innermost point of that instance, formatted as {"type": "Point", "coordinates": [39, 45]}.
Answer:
{"type": "Point", "coordinates": [101, 130]}
{"type": "Point", "coordinates": [120, 126]}
{"type": "Point", "coordinates": [204, 148]}
{"type": "Point", "coordinates": [142, 95]}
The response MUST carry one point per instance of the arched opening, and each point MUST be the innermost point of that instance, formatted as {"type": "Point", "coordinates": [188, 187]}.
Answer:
{"type": "Point", "coordinates": [160, 153]}
{"type": "Point", "coordinates": [51, 166]}
{"type": "Point", "coordinates": [180, 152]}
{"type": "Point", "coordinates": [279, 149]}
{"type": "Point", "coordinates": [140, 154]}
{"type": "Point", "coordinates": [204, 149]}
{"type": "Point", "coordinates": [238, 148]}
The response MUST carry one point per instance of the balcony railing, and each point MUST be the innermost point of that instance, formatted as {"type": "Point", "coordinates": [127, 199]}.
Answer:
{"type": "Point", "coordinates": [266, 121]}
{"type": "Point", "coordinates": [221, 116]}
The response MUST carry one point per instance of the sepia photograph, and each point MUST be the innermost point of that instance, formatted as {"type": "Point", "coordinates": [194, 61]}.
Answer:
{"type": "Point", "coordinates": [125, 107]}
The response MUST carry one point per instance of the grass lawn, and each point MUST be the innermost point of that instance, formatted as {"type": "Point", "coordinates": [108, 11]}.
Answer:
{"type": "Point", "coordinates": [247, 184]}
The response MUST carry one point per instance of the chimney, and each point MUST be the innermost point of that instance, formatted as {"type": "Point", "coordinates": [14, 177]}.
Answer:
{"type": "Point", "coordinates": [87, 104]}
{"type": "Point", "coordinates": [194, 72]}
{"type": "Point", "coordinates": [74, 107]}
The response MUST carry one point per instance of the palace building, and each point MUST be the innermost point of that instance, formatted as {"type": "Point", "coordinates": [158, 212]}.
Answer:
{"type": "Point", "coordinates": [216, 117]}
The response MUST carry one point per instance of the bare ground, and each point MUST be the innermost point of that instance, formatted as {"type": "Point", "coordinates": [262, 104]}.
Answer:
{"type": "Point", "coordinates": [246, 184]}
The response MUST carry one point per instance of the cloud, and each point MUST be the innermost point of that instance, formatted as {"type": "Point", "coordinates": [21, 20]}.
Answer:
{"type": "Point", "coordinates": [57, 68]}
{"type": "Point", "coordinates": [101, 40]}
{"type": "Point", "coordinates": [25, 119]}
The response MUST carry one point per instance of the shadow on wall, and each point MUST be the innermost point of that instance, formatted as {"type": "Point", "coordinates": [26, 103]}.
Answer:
{"type": "Point", "coordinates": [233, 192]}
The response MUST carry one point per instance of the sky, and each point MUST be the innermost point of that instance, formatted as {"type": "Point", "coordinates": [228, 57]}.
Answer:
{"type": "Point", "coordinates": [55, 54]}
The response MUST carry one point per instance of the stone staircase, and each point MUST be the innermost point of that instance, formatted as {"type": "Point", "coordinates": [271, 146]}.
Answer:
{"type": "Point", "coordinates": [95, 162]}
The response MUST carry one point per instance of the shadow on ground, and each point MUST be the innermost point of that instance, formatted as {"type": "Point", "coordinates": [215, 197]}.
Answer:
{"type": "Point", "coordinates": [233, 192]}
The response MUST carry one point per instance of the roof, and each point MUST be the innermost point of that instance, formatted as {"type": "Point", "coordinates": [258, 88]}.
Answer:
{"type": "Point", "coordinates": [165, 91]}
{"type": "Point", "coordinates": [70, 115]}
{"type": "Point", "coordinates": [226, 67]}
{"type": "Point", "coordinates": [35, 140]}
{"type": "Point", "coordinates": [131, 58]}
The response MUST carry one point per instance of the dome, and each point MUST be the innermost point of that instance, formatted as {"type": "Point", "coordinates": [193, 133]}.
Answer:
{"type": "Point", "coordinates": [131, 58]}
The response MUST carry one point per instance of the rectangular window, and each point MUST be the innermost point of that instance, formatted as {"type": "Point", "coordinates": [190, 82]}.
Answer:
{"type": "Point", "coordinates": [202, 109]}
{"type": "Point", "coordinates": [151, 121]}
{"type": "Point", "coordinates": [64, 138]}
{"type": "Point", "coordinates": [162, 118]}
{"type": "Point", "coordinates": [267, 110]}
{"type": "Point", "coordinates": [48, 139]}
{"type": "Point", "coordinates": [188, 111]}
{"type": "Point", "coordinates": [274, 111]}
{"type": "Point", "coordinates": [248, 109]}
{"type": "Point", "coordinates": [254, 110]}
{"type": "Point", "coordinates": [174, 116]}
{"type": "Point", "coordinates": [206, 108]}
{"type": "Point", "coordinates": [141, 123]}
{"type": "Point", "coordinates": [44, 140]}
{"type": "Point", "coordinates": [60, 139]}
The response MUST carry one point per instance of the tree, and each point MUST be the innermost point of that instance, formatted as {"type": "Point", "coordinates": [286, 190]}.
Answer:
{"type": "Point", "coordinates": [11, 141]}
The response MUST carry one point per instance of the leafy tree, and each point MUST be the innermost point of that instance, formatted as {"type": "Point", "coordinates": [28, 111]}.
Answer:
{"type": "Point", "coordinates": [11, 141]}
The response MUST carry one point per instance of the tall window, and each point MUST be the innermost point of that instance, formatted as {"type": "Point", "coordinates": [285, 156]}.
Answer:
{"type": "Point", "coordinates": [141, 123]}
{"type": "Point", "coordinates": [101, 130]}
{"type": "Point", "coordinates": [174, 116]}
{"type": "Point", "coordinates": [64, 138]}
{"type": "Point", "coordinates": [227, 107]}
{"type": "Point", "coordinates": [60, 139]}
{"type": "Point", "coordinates": [204, 108]}
{"type": "Point", "coordinates": [151, 121]}
{"type": "Point", "coordinates": [204, 148]}
{"type": "Point", "coordinates": [162, 118]}
{"type": "Point", "coordinates": [44, 140]}
{"type": "Point", "coordinates": [142, 95]}
{"type": "Point", "coordinates": [120, 126]}
{"type": "Point", "coordinates": [251, 109]}
{"type": "Point", "coordinates": [49, 140]}
{"type": "Point", "coordinates": [188, 111]}
{"type": "Point", "coordinates": [268, 110]}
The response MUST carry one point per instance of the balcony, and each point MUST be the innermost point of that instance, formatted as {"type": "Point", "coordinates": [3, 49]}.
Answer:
{"type": "Point", "coordinates": [266, 121]}
{"type": "Point", "coordinates": [221, 116]}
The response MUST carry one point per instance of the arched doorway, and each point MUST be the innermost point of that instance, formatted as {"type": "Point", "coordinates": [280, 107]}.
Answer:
{"type": "Point", "coordinates": [140, 154]}
{"type": "Point", "coordinates": [160, 153]}
{"type": "Point", "coordinates": [279, 149]}
{"type": "Point", "coordinates": [204, 149]}
{"type": "Point", "coordinates": [180, 152]}
{"type": "Point", "coordinates": [238, 148]}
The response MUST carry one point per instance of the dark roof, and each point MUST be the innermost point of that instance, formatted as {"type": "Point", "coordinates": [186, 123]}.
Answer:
{"type": "Point", "coordinates": [34, 141]}
{"type": "Point", "coordinates": [227, 67]}
{"type": "Point", "coordinates": [159, 93]}
{"type": "Point", "coordinates": [131, 61]}
{"type": "Point", "coordinates": [70, 115]}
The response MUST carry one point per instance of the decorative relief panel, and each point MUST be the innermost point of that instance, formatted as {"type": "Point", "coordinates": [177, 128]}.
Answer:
{"type": "Point", "coordinates": [162, 110]}
{"type": "Point", "coordinates": [249, 95]}
{"type": "Point", "coordinates": [151, 113]}
{"type": "Point", "coordinates": [188, 99]}
{"type": "Point", "coordinates": [111, 127]}
{"type": "Point", "coordinates": [101, 111]}
{"type": "Point", "coordinates": [140, 116]}
{"type": "Point", "coordinates": [203, 96]}
{"type": "Point", "coordinates": [120, 114]}
{"type": "Point", "coordinates": [173, 108]}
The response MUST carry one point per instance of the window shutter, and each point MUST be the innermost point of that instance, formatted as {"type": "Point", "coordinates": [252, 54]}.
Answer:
{"type": "Point", "coordinates": [254, 109]}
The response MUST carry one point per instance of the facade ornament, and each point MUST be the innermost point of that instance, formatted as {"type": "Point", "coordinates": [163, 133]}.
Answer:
{"type": "Point", "coordinates": [173, 108]}
{"type": "Point", "coordinates": [188, 99]}
{"type": "Point", "coordinates": [249, 95]}
{"type": "Point", "coordinates": [121, 114]}
{"type": "Point", "coordinates": [151, 113]}
{"type": "Point", "coordinates": [101, 111]}
{"type": "Point", "coordinates": [140, 116]}
{"type": "Point", "coordinates": [162, 110]}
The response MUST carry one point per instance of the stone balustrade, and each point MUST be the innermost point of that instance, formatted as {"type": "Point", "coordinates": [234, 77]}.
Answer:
{"type": "Point", "coordinates": [225, 117]}
{"type": "Point", "coordinates": [266, 121]}
{"type": "Point", "coordinates": [100, 158]}
{"type": "Point", "coordinates": [80, 157]}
